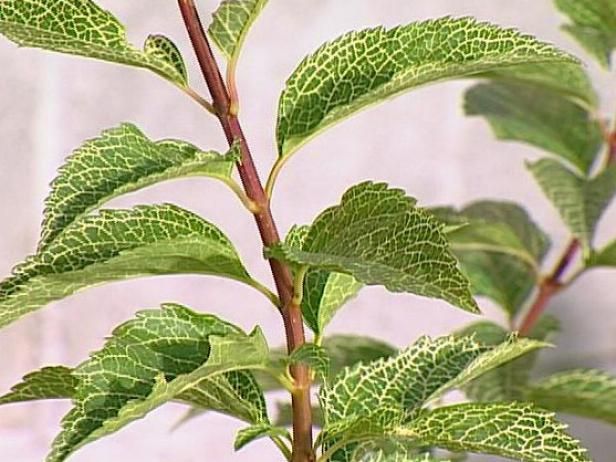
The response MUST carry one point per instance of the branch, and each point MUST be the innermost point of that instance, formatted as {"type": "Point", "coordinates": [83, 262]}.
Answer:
{"type": "Point", "coordinates": [548, 288]}
{"type": "Point", "coordinates": [291, 312]}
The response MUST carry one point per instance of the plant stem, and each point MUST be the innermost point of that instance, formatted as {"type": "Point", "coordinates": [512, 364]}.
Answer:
{"type": "Point", "coordinates": [548, 288]}
{"type": "Point", "coordinates": [291, 312]}
{"type": "Point", "coordinates": [611, 157]}
{"type": "Point", "coordinates": [554, 283]}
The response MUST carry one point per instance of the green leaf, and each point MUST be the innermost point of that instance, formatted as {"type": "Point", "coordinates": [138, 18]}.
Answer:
{"type": "Point", "coordinates": [376, 397]}
{"type": "Point", "coordinates": [161, 49]}
{"type": "Point", "coordinates": [120, 161]}
{"type": "Point", "coordinates": [509, 381]}
{"type": "Point", "coordinates": [55, 382]}
{"type": "Point", "coordinates": [605, 256]}
{"type": "Point", "coordinates": [500, 249]}
{"type": "Point", "coordinates": [343, 351]}
{"type": "Point", "coordinates": [399, 456]}
{"type": "Point", "coordinates": [403, 382]}
{"type": "Point", "coordinates": [325, 292]}
{"type": "Point", "coordinates": [147, 362]}
{"type": "Point", "coordinates": [348, 350]}
{"type": "Point", "coordinates": [379, 236]}
{"type": "Point", "coordinates": [313, 356]}
{"type": "Point", "coordinates": [539, 117]}
{"type": "Point", "coordinates": [584, 392]}
{"type": "Point", "coordinates": [235, 393]}
{"type": "Point", "coordinates": [232, 22]}
{"type": "Point", "coordinates": [391, 450]}
{"type": "Point", "coordinates": [115, 245]}
{"type": "Point", "coordinates": [566, 79]}
{"type": "Point", "coordinates": [512, 430]}
{"type": "Point", "coordinates": [363, 68]}
{"type": "Point", "coordinates": [580, 201]}
{"type": "Point", "coordinates": [254, 432]}
{"type": "Point", "coordinates": [593, 26]}
{"type": "Point", "coordinates": [80, 27]}
{"type": "Point", "coordinates": [349, 438]}
{"type": "Point", "coordinates": [501, 355]}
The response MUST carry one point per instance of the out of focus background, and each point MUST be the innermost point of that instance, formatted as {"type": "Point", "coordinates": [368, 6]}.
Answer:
{"type": "Point", "coordinates": [420, 142]}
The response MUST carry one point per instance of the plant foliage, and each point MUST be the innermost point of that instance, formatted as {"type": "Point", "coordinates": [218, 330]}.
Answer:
{"type": "Point", "coordinates": [376, 403]}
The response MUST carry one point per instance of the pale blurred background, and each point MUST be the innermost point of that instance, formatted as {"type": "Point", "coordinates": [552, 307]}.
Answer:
{"type": "Point", "coordinates": [420, 142]}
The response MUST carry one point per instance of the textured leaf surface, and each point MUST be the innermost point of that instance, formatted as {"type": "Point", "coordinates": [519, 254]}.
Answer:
{"type": "Point", "coordinates": [593, 25]}
{"type": "Point", "coordinates": [115, 245]}
{"type": "Point", "coordinates": [500, 249]}
{"type": "Point", "coordinates": [373, 399]}
{"type": "Point", "coordinates": [403, 382]}
{"type": "Point", "coordinates": [606, 256]}
{"type": "Point", "coordinates": [235, 393]}
{"type": "Point", "coordinates": [580, 201]}
{"type": "Point", "coordinates": [147, 362]}
{"type": "Point", "coordinates": [313, 356]}
{"type": "Point", "coordinates": [567, 79]}
{"type": "Point", "coordinates": [538, 117]}
{"type": "Point", "coordinates": [399, 456]}
{"type": "Point", "coordinates": [363, 68]}
{"type": "Point", "coordinates": [509, 381]}
{"type": "Point", "coordinates": [343, 351]}
{"type": "Point", "coordinates": [348, 350]}
{"type": "Point", "coordinates": [249, 434]}
{"type": "Point", "coordinates": [379, 236]}
{"type": "Point", "coordinates": [232, 21]}
{"type": "Point", "coordinates": [502, 354]}
{"type": "Point", "coordinates": [122, 160]}
{"type": "Point", "coordinates": [513, 430]}
{"type": "Point", "coordinates": [80, 27]}
{"type": "Point", "coordinates": [55, 382]}
{"type": "Point", "coordinates": [585, 392]}
{"type": "Point", "coordinates": [325, 292]}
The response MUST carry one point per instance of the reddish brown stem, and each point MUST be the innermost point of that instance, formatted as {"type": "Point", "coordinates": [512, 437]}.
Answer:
{"type": "Point", "coordinates": [612, 149]}
{"type": "Point", "coordinates": [548, 288]}
{"type": "Point", "coordinates": [291, 313]}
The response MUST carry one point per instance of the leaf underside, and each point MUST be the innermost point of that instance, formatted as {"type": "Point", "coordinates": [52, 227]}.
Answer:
{"type": "Point", "coordinates": [579, 201]}
{"type": "Point", "coordinates": [539, 117]}
{"type": "Point", "coordinates": [569, 80]}
{"type": "Point", "coordinates": [500, 249]}
{"type": "Point", "coordinates": [232, 22]}
{"type": "Point", "coordinates": [593, 25]}
{"type": "Point", "coordinates": [584, 392]}
{"type": "Point", "coordinates": [55, 382]}
{"type": "Point", "coordinates": [606, 256]}
{"type": "Point", "coordinates": [325, 292]}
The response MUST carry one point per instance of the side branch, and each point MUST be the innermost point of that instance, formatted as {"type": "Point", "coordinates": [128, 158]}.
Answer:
{"type": "Point", "coordinates": [548, 288]}
{"type": "Point", "coordinates": [291, 313]}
